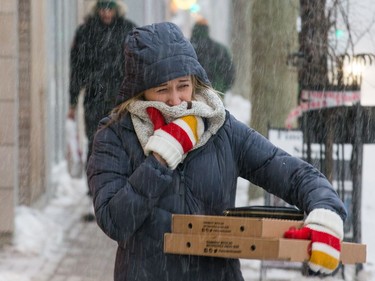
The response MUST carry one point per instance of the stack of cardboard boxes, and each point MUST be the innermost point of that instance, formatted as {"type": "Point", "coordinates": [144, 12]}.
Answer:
{"type": "Point", "coordinates": [245, 238]}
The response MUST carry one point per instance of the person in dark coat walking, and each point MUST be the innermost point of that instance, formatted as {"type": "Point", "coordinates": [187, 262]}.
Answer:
{"type": "Point", "coordinates": [213, 56]}
{"type": "Point", "coordinates": [97, 64]}
{"type": "Point", "coordinates": [171, 147]}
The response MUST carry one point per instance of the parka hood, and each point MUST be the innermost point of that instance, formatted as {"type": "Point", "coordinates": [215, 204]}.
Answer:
{"type": "Point", "coordinates": [155, 54]}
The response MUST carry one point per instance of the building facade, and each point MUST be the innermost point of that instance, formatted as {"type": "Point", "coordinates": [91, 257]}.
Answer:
{"type": "Point", "coordinates": [35, 38]}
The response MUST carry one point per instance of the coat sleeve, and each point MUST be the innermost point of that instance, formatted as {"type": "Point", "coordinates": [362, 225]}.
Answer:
{"type": "Point", "coordinates": [77, 65]}
{"type": "Point", "coordinates": [123, 199]}
{"type": "Point", "coordinates": [290, 178]}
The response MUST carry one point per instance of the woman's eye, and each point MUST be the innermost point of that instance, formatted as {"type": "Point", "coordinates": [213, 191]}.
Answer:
{"type": "Point", "coordinates": [184, 85]}
{"type": "Point", "coordinates": [161, 90]}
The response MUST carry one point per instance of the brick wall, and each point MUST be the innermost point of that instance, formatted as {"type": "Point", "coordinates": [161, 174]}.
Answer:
{"type": "Point", "coordinates": [9, 112]}
{"type": "Point", "coordinates": [24, 121]}
{"type": "Point", "coordinates": [31, 117]}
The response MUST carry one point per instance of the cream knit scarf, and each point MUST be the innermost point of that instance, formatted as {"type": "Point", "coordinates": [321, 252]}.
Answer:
{"type": "Point", "coordinates": [207, 105]}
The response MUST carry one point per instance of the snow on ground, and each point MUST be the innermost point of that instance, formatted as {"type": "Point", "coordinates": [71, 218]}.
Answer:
{"type": "Point", "coordinates": [39, 232]}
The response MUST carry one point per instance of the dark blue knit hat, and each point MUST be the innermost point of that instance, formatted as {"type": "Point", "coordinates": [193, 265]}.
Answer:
{"type": "Point", "coordinates": [106, 4]}
{"type": "Point", "coordinates": [155, 54]}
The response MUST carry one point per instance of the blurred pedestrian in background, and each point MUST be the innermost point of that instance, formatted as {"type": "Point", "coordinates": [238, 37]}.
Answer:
{"type": "Point", "coordinates": [213, 56]}
{"type": "Point", "coordinates": [97, 64]}
{"type": "Point", "coordinates": [170, 147]}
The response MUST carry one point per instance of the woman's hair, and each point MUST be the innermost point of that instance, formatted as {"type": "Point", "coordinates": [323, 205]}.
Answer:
{"type": "Point", "coordinates": [121, 110]}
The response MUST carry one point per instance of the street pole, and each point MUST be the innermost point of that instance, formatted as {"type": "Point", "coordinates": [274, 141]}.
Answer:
{"type": "Point", "coordinates": [313, 75]}
{"type": "Point", "coordinates": [356, 168]}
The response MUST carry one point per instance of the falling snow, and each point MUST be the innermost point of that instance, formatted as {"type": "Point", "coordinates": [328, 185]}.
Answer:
{"type": "Point", "coordinates": [39, 233]}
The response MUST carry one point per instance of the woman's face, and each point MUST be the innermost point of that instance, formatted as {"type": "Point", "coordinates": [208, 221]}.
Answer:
{"type": "Point", "coordinates": [172, 92]}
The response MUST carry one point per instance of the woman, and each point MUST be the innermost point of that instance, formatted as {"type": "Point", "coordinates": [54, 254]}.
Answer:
{"type": "Point", "coordinates": [170, 147]}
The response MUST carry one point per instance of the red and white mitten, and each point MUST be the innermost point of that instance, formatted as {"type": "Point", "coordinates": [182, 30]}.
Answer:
{"type": "Point", "coordinates": [172, 141]}
{"type": "Point", "coordinates": [325, 229]}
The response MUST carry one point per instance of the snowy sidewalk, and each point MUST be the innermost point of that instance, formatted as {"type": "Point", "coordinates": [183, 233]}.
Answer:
{"type": "Point", "coordinates": [89, 257]}
{"type": "Point", "coordinates": [53, 244]}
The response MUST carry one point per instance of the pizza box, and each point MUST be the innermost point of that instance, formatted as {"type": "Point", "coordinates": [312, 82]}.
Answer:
{"type": "Point", "coordinates": [224, 246]}
{"type": "Point", "coordinates": [232, 226]}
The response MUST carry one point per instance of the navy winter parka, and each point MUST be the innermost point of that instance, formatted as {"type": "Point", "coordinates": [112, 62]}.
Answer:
{"type": "Point", "coordinates": [215, 58]}
{"type": "Point", "coordinates": [97, 66]}
{"type": "Point", "coordinates": [135, 196]}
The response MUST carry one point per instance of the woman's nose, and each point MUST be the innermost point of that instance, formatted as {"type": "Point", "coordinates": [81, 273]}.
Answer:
{"type": "Point", "coordinates": [173, 98]}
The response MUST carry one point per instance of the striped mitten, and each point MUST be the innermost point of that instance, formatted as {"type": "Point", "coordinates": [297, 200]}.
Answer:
{"type": "Point", "coordinates": [172, 141]}
{"type": "Point", "coordinates": [325, 230]}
